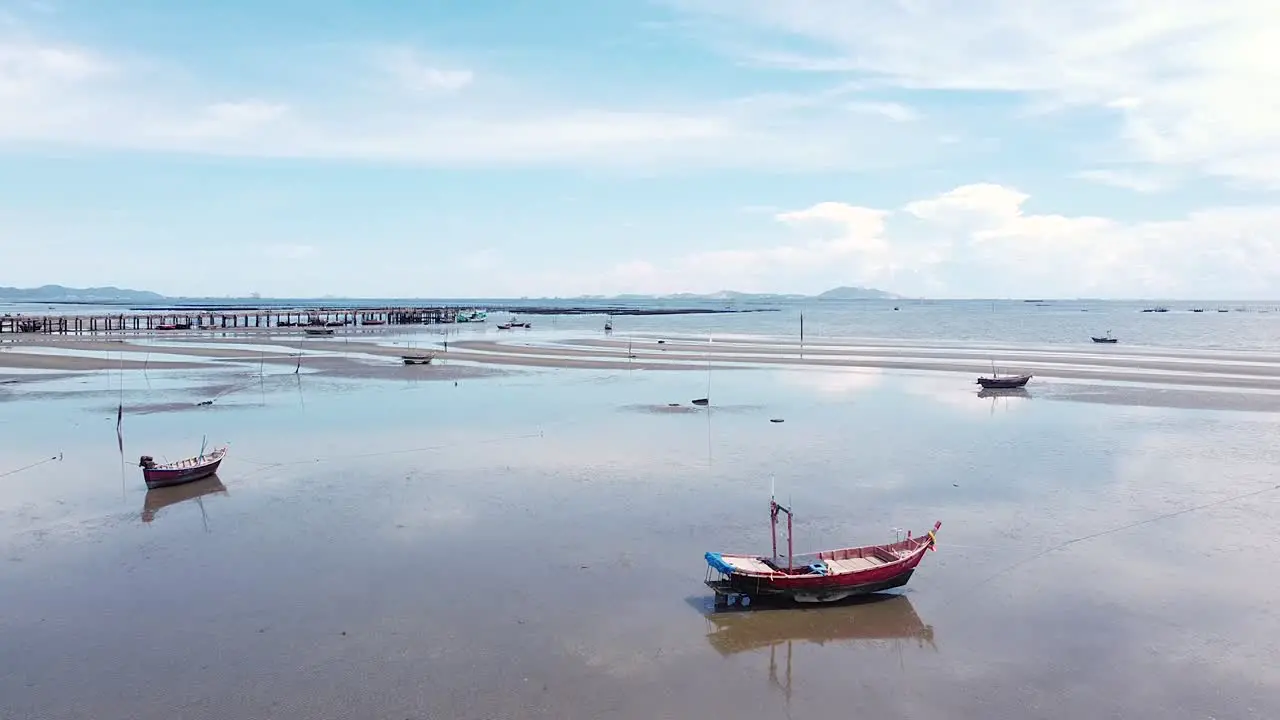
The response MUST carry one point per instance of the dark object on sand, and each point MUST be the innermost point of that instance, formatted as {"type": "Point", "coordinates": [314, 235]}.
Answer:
{"type": "Point", "coordinates": [182, 471]}
{"type": "Point", "coordinates": [1106, 339]}
{"type": "Point", "coordinates": [319, 331]}
{"type": "Point", "coordinates": [826, 576]}
{"type": "Point", "coordinates": [775, 420]}
{"type": "Point", "coordinates": [204, 403]}
{"type": "Point", "coordinates": [702, 401]}
{"type": "Point", "coordinates": [1008, 381]}
{"type": "Point", "coordinates": [419, 359]}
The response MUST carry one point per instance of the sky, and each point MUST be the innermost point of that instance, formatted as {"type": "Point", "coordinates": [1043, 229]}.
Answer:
{"type": "Point", "coordinates": [365, 148]}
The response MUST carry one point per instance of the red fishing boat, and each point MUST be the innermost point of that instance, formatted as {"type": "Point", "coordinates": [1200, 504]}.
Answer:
{"type": "Point", "coordinates": [826, 576]}
{"type": "Point", "coordinates": [182, 471]}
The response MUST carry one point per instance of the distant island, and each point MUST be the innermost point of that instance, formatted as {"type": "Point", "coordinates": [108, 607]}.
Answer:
{"type": "Point", "coordinates": [840, 293]}
{"type": "Point", "coordinates": [113, 295]}
{"type": "Point", "coordinates": [61, 294]}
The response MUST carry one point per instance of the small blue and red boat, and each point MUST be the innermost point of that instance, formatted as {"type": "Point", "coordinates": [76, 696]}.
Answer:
{"type": "Point", "coordinates": [182, 471]}
{"type": "Point", "coordinates": [826, 576]}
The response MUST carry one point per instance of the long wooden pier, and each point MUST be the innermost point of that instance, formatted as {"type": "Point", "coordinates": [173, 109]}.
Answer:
{"type": "Point", "coordinates": [217, 320]}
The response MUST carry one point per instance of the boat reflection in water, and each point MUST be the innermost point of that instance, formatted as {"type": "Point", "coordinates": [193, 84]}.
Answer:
{"type": "Point", "coordinates": [880, 619]}
{"type": "Point", "coordinates": [159, 498]}
{"type": "Point", "coordinates": [1004, 393]}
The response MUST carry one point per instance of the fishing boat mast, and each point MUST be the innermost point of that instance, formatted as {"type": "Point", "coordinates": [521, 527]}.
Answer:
{"type": "Point", "coordinates": [774, 509]}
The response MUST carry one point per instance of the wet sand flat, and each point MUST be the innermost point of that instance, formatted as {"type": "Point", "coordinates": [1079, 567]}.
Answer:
{"type": "Point", "coordinates": [363, 355]}
{"type": "Point", "coordinates": [529, 545]}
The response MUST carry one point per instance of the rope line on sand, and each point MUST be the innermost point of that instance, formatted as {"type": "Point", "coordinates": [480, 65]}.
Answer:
{"type": "Point", "coordinates": [384, 453]}
{"type": "Point", "coordinates": [1127, 526]}
{"type": "Point", "coordinates": [34, 464]}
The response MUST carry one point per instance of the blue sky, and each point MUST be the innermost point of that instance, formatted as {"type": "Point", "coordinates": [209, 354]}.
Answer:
{"type": "Point", "coordinates": [490, 148]}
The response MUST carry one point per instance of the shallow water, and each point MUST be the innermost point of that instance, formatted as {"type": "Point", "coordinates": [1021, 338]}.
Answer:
{"type": "Point", "coordinates": [531, 546]}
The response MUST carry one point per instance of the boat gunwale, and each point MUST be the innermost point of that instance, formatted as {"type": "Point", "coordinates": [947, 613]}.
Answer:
{"type": "Point", "coordinates": [921, 544]}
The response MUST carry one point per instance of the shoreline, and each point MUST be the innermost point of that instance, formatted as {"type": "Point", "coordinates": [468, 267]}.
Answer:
{"type": "Point", "coordinates": [1144, 377]}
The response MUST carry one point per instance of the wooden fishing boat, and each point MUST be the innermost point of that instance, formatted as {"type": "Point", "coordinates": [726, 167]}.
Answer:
{"type": "Point", "coordinates": [504, 326]}
{"type": "Point", "coordinates": [827, 576]}
{"type": "Point", "coordinates": [182, 471]}
{"type": "Point", "coordinates": [419, 359]}
{"type": "Point", "coordinates": [701, 401]}
{"type": "Point", "coordinates": [1007, 381]}
{"type": "Point", "coordinates": [319, 331]}
{"type": "Point", "coordinates": [1106, 339]}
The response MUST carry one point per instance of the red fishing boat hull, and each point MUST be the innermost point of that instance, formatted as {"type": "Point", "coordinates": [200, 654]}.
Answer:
{"type": "Point", "coordinates": [182, 472]}
{"type": "Point", "coordinates": [826, 576]}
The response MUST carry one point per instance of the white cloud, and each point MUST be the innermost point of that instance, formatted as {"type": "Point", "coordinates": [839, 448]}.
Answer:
{"type": "Point", "coordinates": [978, 240]}
{"type": "Point", "coordinates": [894, 111]}
{"type": "Point", "coordinates": [1137, 182]}
{"type": "Point", "coordinates": [1189, 84]}
{"type": "Point", "coordinates": [233, 119]}
{"type": "Point", "coordinates": [405, 109]}
{"type": "Point", "coordinates": [285, 251]}
{"type": "Point", "coordinates": [406, 67]}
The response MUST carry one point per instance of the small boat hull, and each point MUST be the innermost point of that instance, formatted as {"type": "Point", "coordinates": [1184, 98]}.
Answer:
{"type": "Point", "coordinates": [824, 577]}
{"type": "Point", "coordinates": [181, 472]}
{"type": "Point", "coordinates": [745, 587]}
{"type": "Point", "coordinates": [1013, 381]}
{"type": "Point", "coordinates": [157, 478]}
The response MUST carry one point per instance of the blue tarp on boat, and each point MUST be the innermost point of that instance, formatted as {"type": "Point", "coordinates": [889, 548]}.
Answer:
{"type": "Point", "coordinates": [716, 561]}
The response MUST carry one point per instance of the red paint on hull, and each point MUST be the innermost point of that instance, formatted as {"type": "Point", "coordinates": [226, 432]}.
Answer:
{"type": "Point", "coordinates": [822, 576]}
{"type": "Point", "coordinates": [184, 471]}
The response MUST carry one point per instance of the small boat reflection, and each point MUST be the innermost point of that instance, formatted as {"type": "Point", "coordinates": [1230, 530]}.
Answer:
{"type": "Point", "coordinates": [873, 617]}
{"type": "Point", "coordinates": [1020, 392]}
{"type": "Point", "coordinates": [160, 498]}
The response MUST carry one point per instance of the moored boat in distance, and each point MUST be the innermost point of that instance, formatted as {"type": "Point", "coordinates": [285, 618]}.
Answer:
{"type": "Point", "coordinates": [182, 471]}
{"type": "Point", "coordinates": [826, 576]}
{"type": "Point", "coordinates": [418, 359]}
{"type": "Point", "coordinates": [1105, 339]}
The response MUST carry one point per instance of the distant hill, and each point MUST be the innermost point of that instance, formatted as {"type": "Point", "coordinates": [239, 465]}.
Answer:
{"type": "Point", "coordinates": [60, 294]}
{"type": "Point", "coordinates": [857, 293]}
{"type": "Point", "coordinates": [840, 293]}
